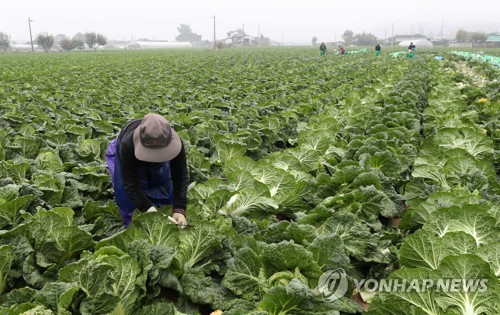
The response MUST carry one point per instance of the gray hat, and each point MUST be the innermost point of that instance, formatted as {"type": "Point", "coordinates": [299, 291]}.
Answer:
{"type": "Point", "coordinates": [155, 140]}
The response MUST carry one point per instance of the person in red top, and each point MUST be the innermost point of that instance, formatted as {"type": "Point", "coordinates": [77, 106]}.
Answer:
{"type": "Point", "coordinates": [341, 50]}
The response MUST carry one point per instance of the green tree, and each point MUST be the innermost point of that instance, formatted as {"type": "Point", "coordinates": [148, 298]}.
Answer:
{"type": "Point", "coordinates": [45, 40]}
{"type": "Point", "coordinates": [101, 40]}
{"type": "Point", "coordinates": [348, 37]}
{"type": "Point", "coordinates": [186, 34]}
{"type": "Point", "coordinates": [79, 36]}
{"type": "Point", "coordinates": [314, 41]}
{"type": "Point", "coordinates": [78, 41]}
{"type": "Point", "coordinates": [4, 41]}
{"type": "Point", "coordinates": [67, 44]}
{"type": "Point", "coordinates": [365, 39]}
{"type": "Point", "coordinates": [478, 37]}
{"type": "Point", "coordinates": [220, 44]}
{"type": "Point", "coordinates": [462, 36]}
{"type": "Point", "coordinates": [95, 40]}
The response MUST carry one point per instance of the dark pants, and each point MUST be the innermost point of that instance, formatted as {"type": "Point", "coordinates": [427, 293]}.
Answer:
{"type": "Point", "coordinates": [155, 181]}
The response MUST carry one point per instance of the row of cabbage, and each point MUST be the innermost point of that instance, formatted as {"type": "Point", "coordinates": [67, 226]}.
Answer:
{"type": "Point", "coordinates": [336, 193]}
{"type": "Point", "coordinates": [64, 125]}
{"type": "Point", "coordinates": [453, 197]}
{"type": "Point", "coordinates": [57, 204]}
{"type": "Point", "coordinates": [303, 181]}
{"type": "Point", "coordinates": [51, 116]}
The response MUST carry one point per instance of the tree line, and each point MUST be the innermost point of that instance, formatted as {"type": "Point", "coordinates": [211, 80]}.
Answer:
{"type": "Point", "coordinates": [91, 40]}
{"type": "Point", "coordinates": [349, 38]}
{"type": "Point", "coordinates": [367, 39]}
{"type": "Point", "coordinates": [470, 37]}
{"type": "Point", "coordinates": [95, 40]}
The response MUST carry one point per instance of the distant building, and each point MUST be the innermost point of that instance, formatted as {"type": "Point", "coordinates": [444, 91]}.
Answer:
{"type": "Point", "coordinates": [440, 42]}
{"type": "Point", "coordinates": [458, 44]}
{"type": "Point", "coordinates": [397, 39]}
{"type": "Point", "coordinates": [157, 45]}
{"type": "Point", "coordinates": [493, 40]}
{"type": "Point", "coordinates": [239, 38]}
{"type": "Point", "coordinates": [411, 38]}
{"type": "Point", "coordinates": [419, 43]}
{"type": "Point", "coordinates": [116, 44]}
{"type": "Point", "coordinates": [25, 47]}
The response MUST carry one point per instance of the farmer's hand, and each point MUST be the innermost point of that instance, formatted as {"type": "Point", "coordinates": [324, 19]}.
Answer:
{"type": "Point", "coordinates": [181, 220]}
{"type": "Point", "coordinates": [152, 209]}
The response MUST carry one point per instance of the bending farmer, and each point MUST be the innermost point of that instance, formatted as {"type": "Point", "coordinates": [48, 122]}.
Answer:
{"type": "Point", "coordinates": [148, 168]}
{"type": "Point", "coordinates": [341, 50]}
{"type": "Point", "coordinates": [410, 54]}
{"type": "Point", "coordinates": [377, 49]}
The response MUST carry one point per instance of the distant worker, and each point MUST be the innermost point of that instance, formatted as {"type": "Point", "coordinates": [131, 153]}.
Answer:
{"type": "Point", "coordinates": [410, 54]}
{"type": "Point", "coordinates": [377, 50]}
{"type": "Point", "coordinates": [322, 49]}
{"type": "Point", "coordinates": [411, 50]}
{"type": "Point", "coordinates": [341, 50]}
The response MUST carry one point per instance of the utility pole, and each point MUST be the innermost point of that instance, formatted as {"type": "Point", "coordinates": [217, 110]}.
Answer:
{"type": "Point", "coordinates": [442, 30]}
{"type": "Point", "coordinates": [258, 34]}
{"type": "Point", "coordinates": [282, 42]}
{"type": "Point", "coordinates": [392, 36]}
{"type": "Point", "coordinates": [215, 46]}
{"type": "Point", "coordinates": [31, 37]}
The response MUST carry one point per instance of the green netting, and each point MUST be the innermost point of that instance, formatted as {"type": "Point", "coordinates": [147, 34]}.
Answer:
{"type": "Point", "coordinates": [361, 51]}
{"type": "Point", "coordinates": [478, 56]}
{"type": "Point", "coordinates": [397, 54]}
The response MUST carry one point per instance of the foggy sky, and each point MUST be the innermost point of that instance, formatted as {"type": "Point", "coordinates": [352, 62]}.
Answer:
{"type": "Point", "coordinates": [293, 21]}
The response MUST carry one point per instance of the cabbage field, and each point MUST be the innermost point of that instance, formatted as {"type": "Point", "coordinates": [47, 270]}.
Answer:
{"type": "Point", "coordinates": [368, 168]}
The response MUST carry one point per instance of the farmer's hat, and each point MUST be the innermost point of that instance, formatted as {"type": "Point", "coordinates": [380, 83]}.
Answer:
{"type": "Point", "coordinates": [155, 140]}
